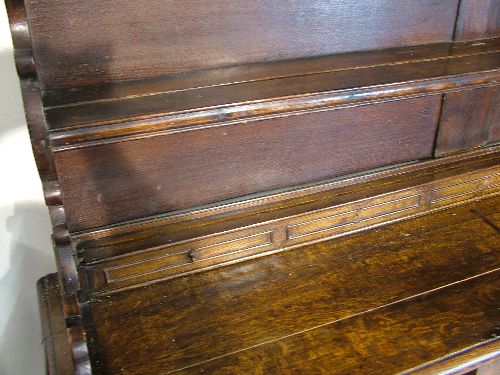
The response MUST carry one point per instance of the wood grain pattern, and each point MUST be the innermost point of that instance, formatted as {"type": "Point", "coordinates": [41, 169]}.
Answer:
{"type": "Point", "coordinates": [372, 210]}
{"type": "Point", "coordinates": [65, 259]}
{"type": "Point", "coordinates": [151, 232]}
{"type": "Point", "coordinates": [469, 119]}
{"type": "Point", "coordinates": [54, 336]}
{"type": "Point", "coordinates": [176, 259]}
{"type": "Point", "coordinates": [176, 137]}
{"type": "Point", "coordinates": [478, 19]}
{"type": "Point", "coordinates": [227, 76]}
{"type": "Point", "coordinates": [362, 337]}
{"type": "Point", "coordinates": [199, 251]}
{"type": "Point", "coordinates": [112, 120]}
{"type": "Point", "coordinates": [187, 169]}
{"type": "Point", "coordinates": [273, 311]}
{"type": "Point", "coordinates": [165, 36]}
{"type": "Point", "coordinates": [483, 357]}
{"type": "Point", "coordinates": [464, 187]}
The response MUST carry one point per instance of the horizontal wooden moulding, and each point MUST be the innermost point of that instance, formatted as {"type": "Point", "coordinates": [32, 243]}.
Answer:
{"type": "Point", "coordinates": [231, 75]}
{"type": "Point", "coordinates": [482, 355]}
{"type": "Point", "coordinates": [115, 240]}
{"type": "Point", "coordinates": [226, 96]}
{"type": "Point", "coordinates": [335, 220]}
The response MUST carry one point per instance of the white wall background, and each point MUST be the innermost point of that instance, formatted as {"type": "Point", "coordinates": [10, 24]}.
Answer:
{"type": "Point", "coordinates": [25, 248]}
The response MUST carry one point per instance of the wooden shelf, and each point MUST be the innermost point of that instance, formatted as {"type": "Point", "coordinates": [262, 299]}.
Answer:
{"type": "Point", "coordinates": [122, 257]}
{"type": "Point", "coordinates": [428, 286]}
{"type": "Point", "coordinates": [92, 114]}
{"type": "Point", "coordinates": [266, 187]}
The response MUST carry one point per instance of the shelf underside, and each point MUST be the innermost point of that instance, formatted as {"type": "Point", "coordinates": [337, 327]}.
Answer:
{"type": "Point", "coordinates": [382, 301]}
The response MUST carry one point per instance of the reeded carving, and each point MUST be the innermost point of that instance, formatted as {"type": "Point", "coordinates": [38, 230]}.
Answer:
{"type": "Point", "coordinates": [177, 259]}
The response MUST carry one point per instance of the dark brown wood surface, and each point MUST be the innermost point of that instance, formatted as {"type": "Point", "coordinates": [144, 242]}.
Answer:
{"type": "Point", "coordinates": [65, 259]}
{"type": "Point", "coordinates": [480, 359]}
{"type": "Point", "coordinates": [469, 119]}
{"type": "Point", "coordinates": [226, 76]}
{"type": "Point", "coordinates": [187, 169]}
{"type": "Point", "coordinates": [190, 135]}
{"type": "Point", "coordinates": [478, 19]}
{"type": "Point", "coordinates": [408, 71]}
{"type": "Point", "coordinates": [88, 41]}
{"type": "Point", "coordinates": [302, 310]}
{"type": "Point", "coordinates": [380, 204]}
{"type": "Point", "coordinates": [115, 241]}
{"type": "Point", "coordinates": [152, 111]}
{"type": "Point", "coordinates": [54, 337]}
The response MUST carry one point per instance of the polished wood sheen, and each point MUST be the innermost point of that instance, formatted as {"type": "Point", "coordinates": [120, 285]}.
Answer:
{"type": "Point", "coordinates": [469, 119]}
{"type": "Point", "coordinates": [312, 200]}
{"type": "Point", "coordinates": [478, 19]}
{"type": "Point", "coordinates": [230, 162]}
{"type": "Point", "coordinates": [266, 187]}
{"type": "Point", "coordinates": [54, 336]}
{"type": "Point", "coordinates": [250, 147]}
{"type": "Point", "coordinates": [330, 218]}
{"type": "Point", "coordinates": [485, 355]}
{"type": "Point", "coordinates": [433, 289]}
{"type": "Point", "coordinates": [164, 36]}
{"type": "Point", "coordinates": [229, 95]}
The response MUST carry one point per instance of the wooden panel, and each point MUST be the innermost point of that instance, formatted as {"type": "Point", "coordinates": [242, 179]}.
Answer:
{"type": "Point", "coordinates": [469, 119]}
{"type": "Point", "coordinates": [370, 211]}
{"type": "Point", "coordinates": [464, 187]}
{"type": "Point", "coordinates": [190, 252]}
{"type": "Point", "coordinates": [176, 227]}
{"type": "Point", "coordinates": [478, 19]}
{"type": "Point", "coordinates": [174, 259]}
{"type": "Point", "coordinates": [88, 41]}
{"type": "Point", "coordinates": [181, 170]}
{"type": "Point", "coordinates": [305, 307]}
{"type": "Point", "coordinates": [55, 337]}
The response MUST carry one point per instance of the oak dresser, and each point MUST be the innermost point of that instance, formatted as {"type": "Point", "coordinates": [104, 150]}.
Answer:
{"type": "Point", "coordinates": [267, 186]}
